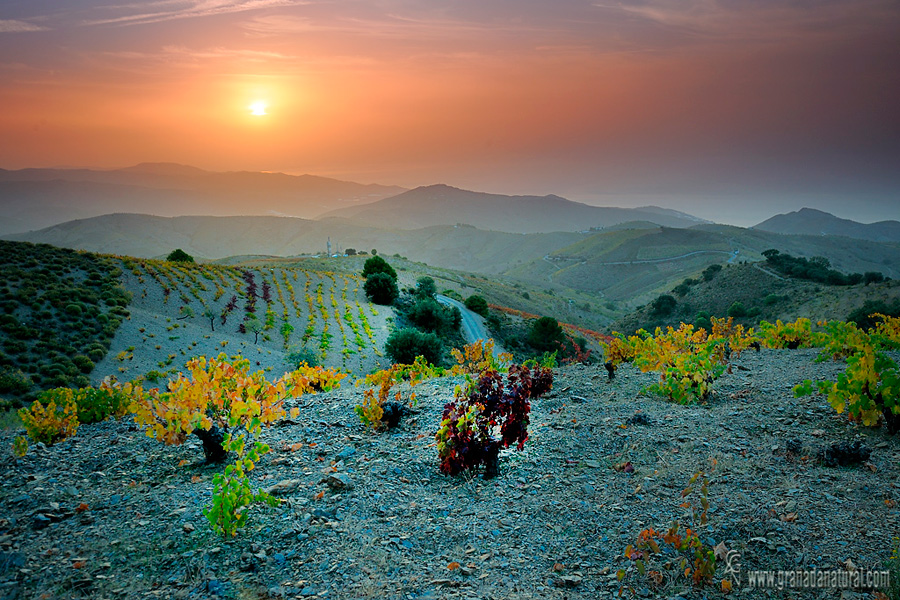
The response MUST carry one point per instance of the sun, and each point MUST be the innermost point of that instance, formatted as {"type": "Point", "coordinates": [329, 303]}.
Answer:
{"type": "Point", "coordinates": [258, 108]}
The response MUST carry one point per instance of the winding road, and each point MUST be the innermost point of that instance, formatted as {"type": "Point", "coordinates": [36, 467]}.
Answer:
{"type": "Point", "coordinates": [473, 328]}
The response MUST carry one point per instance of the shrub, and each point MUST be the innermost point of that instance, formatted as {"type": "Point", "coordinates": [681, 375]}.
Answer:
{"type": "Point", "coordinates": [381, 288]}
{"type": "Point", "coordinates": [429, 315]}
{"type": "Point", "coordinates": [405, 345]}
{"type": "Point", "coordinates": [710, 272]}
{"type": "Point", "coordinates": [84, 364]}
{"type": "Point", "coordinates": [14, 381]}
{"type": "Point", "coordinates": [425, 287]}
{"type": "Point", "coordinates": [93, 405]}
{"type": "Point", "coordinates": [466, 438]}
{"type": "Point", "coordinates": [477, 304]}
{"type": "Point", "coordinates": [179, 255]}
{"type": "Point", "coordinates": [663, 305]}
{"type": "Point", "coordinates": [52, 423]}
{"type": "Point", "coordinates": [376, 264]}
{"type": "Point", "coordinates": [737, 310]}
{"type": "Point", "coordinates": [545, 335]}
{"type": "Point", "coordinates": [299, 356]}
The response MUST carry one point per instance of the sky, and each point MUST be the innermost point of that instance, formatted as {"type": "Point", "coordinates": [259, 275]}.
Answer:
{"type": "Point", "coordinates": [733, 110]}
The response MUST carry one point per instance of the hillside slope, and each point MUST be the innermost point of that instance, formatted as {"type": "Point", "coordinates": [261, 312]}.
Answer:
{"type": "Point", "coordinates": [113, 513]}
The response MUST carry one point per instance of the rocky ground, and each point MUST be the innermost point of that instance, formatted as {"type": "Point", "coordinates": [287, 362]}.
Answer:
{"type": "Point", "coordinates": [113, 514]}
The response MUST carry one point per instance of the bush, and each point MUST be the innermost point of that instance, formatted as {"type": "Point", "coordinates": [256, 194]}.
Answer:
{"type": "Point", "coordinates": [861, 316]}
{"type": "Point", "coordinates": [545, 335]}
{"type": "Point", "coordinates": [376, 264]}
{"type": "Point", "coordinates": [710, 272]}
{"type": "Point", "coordinates": [179, 255]}
{"type": "Point", "coordinates": [477, 304]}
{"type": "Point", "coordinates": [430, 316]}
{"type": "Point", "coordinates": [405, 345]}
{"type": "Point", "coordinates": [14, 381]}
{"type": "Point", "coordinates": [84, 364]}
{"type": "Point", "coordinates": [737, 310]}
{"type": "Point", "coordinates": [425, 287]}
{"type": "Point", "coordinates": [663, 306]}
{"type": "Point", "coordinates": [381, 288]}
{"type": "Point", "coordinates": [301, 355]}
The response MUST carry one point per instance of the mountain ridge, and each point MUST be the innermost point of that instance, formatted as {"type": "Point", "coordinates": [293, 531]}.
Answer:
{"type": "Point", "coordinates": [811, 221]}
{"type": "Point", "coordinates": [442, 204]}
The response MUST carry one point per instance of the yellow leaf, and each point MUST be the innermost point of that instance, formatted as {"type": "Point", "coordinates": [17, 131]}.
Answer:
{"type": "Point", "coordinates": [453, 566]}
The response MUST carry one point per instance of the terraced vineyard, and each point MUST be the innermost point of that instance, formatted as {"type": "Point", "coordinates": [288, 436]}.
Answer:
{"type": "Point", "coordinates": [276, 316]}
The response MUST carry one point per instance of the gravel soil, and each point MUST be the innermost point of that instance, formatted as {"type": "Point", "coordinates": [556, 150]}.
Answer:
{"type": "Point", "coordinates": [113, 514]}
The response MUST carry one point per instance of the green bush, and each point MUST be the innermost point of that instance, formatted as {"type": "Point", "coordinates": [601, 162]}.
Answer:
{"type": "Point", "coordinates": [545, 335]}
{"type": "Point", "coordinates": [477, 304]}
{"type": "Point", "coordinates": [710, 272]}
{"type": "Point", "coordinates": [405, 345]}
{"type": "Point", "coordinates": [84, 364]}
{"type": "Point", "coordinates": [430, 316]}
{"type": "Point", "coordinates": [737, 310]}
{"type": "Point", "coordinates": [425, 287]}
{"type": "Point", "coordinates": [376, 264]}
{"type": "Point", "coordinates": [381, 288]}
{"type": "Point", "coordinates": [663, 305]}
{"type": "Point", "coordinates": [14, 381]}
{"type": "Point", "coordinates": [179, 255]}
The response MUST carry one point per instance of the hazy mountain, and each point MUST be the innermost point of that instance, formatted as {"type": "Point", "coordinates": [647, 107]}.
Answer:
{"type": "Point", "coordinates": [618, 264]}
{"type": "Point", "coordinates": [810, 221]}
{"type": "Point", "coordinates": [445, 205]}
{"type": "Point", "coordinates": [37, 198]}
{"type": "Point", "coordinates": [457, 247]}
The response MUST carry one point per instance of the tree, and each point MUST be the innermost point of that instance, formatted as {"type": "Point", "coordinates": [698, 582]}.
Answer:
{"type": "Point", "coordinates": [663, 305]}
{"type": "Point", "coordinates": [428, 315]}
{"type": "Point", "coordinates": [179, 255]}
{"type": "Point", "coordinates": [546, 335]}
{"type": "Point", "coordinates": [381, 288]}
{"type": "Point", "coordinates": [254, 326]}
{"type": "Point", "coordinates": [376, 264]}
{"type": "Point", "coordinates": [350, 252]}
{"type": "Point", "coordinates": [477, 304]}
{"type": "Point", "coordinates": [405, 345]}
{"type": "Point", "coordinates": [210, 314]}
{"type": "Point", "coordinates": [737, 310]}
{"type": "Point", "coordinates": [425, 287]}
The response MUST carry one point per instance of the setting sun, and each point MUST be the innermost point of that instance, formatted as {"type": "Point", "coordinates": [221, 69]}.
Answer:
{"type": "Point", "coordinates": [258, 108]}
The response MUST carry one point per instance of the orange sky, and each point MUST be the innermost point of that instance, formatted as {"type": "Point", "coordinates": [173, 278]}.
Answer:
{"type": "Point", "coordinates": [598, 101]}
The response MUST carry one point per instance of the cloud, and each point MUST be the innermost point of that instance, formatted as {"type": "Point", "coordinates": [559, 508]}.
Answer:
{"type": "Point", "coordinates": [14, 26]}
{"type": "Point", "coordinates": [169, 10]}
{"type": "Point", "coordinates": [761, 20]}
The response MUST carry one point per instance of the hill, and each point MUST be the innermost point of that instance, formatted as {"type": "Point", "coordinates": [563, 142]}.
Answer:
{"type": "Point", "coordinates": [763, 294]}
{"type": "Point", "coordinates": [445, 205]}
{"type": "Point", "coordinates": [36, 198]}
{"type": "Point", "coordinates": [635, 265]}
{"type": "Point", "coordinates": [113, 513]}
{"type": "Point", "coordinates": [809, 221]}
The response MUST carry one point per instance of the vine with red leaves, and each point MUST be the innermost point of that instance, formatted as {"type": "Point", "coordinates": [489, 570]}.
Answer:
{"type": "Point", "coordinates": [467, 436]}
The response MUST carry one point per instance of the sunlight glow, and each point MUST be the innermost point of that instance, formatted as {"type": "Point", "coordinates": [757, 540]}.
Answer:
{"type": "Point", "coordinates": [258, 108]}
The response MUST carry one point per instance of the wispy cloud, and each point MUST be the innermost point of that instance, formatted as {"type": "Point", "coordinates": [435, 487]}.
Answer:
{"type": "Point", "coordinates": [169, 10]}
{"type": "Point", "coordinates": [765, 20]}
{"type": "Point", "coordinates": [14, 26]}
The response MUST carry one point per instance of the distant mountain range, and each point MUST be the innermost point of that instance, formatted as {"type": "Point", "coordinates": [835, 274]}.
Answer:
{"type": "Point", "coordinates": [809, 221]}
{"type": "Point", "coordinates": [36, 198]}
{"type": "Point", "coordinates": [32, 199]}
{"type": "Point", "coordinates": [619, 263]}
{"type": "Point", "coordinates": [445, 205]}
